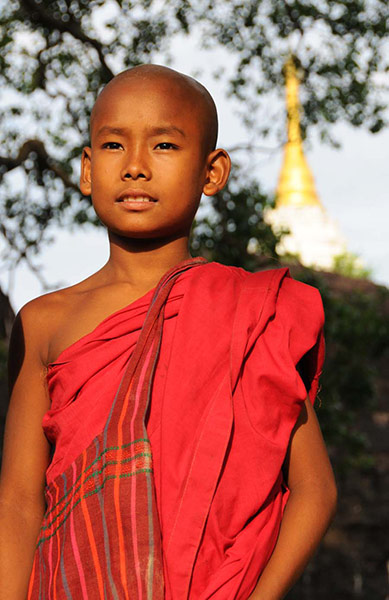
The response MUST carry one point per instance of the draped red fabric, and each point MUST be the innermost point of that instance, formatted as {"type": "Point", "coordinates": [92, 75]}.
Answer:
{"type": "Point", "coordinates": [239, 353]}
{"type": "Point", "coordinates": [101, 533]}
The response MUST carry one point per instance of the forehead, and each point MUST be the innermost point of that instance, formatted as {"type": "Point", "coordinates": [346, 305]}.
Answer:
{"type": "Point", "coordinates": [139, 101]}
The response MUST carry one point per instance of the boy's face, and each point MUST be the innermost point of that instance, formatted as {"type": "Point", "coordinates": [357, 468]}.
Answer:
{"type": "Point", "coordinates": [147, 165]}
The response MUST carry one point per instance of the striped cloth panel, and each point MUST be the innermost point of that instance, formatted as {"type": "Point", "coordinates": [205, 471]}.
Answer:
{"type": "Point", "coordinates": [100, 536]}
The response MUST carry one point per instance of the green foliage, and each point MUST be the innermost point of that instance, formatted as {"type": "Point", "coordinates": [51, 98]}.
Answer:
{"type": "Point", "coordinates": [357, 336]}
{"type": "Point", "coordinates": [350, 265]}
{"type": "Point", "coordinates": [232, 230]}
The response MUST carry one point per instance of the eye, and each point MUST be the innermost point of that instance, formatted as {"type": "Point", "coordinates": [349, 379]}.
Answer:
{"type": "Point", "coordinates": [112, 145]}
{"type": "Point", "coordinates": [166, 146]}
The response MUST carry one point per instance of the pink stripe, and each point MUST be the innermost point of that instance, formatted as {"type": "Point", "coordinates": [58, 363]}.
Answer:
{"type": "Point", "coordinates": [58, 548]}
{"type": "Point", "coordinates": [50, 557]}
{"type": "Point", "coordinates": [76, 551]}
{"type": "Point", "coordinates": [133, 479]}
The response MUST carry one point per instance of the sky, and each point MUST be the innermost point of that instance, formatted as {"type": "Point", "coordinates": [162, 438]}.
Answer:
{"type": "Point", "coordinates": [352, 183]}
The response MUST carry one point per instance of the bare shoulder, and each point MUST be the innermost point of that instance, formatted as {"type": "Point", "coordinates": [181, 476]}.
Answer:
{"type": "Point", "coordinates": [56, 320]}
{"type": "Point", "coordinates": [40, 319]}
{"type": "Point", "coordinates": [37, 319]}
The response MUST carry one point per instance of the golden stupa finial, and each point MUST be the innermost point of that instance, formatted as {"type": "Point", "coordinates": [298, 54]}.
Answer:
{"type": "Point", "coordinates": [296, 186]}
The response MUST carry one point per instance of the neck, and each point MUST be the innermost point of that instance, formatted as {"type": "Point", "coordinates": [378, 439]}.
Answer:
{"type": "Point", "coordinates": [141, 263]}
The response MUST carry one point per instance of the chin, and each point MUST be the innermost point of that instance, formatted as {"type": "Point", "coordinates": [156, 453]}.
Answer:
{"type": "Point", "coordinates": [139, 235]}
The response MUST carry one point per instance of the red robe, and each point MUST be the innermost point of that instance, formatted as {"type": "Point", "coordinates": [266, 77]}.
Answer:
{"type": "Point", "coordinates": [228, 389]}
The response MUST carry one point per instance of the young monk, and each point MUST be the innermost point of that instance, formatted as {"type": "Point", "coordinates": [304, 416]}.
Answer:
{"type": "Point", "coordinates": [179, 456]}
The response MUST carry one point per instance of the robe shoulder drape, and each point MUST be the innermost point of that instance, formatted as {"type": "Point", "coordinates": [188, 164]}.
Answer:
{"type": "Point", "coordinates": [239, 354]}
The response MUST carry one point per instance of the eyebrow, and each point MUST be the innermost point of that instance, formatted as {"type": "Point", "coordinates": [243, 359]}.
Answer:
{"type": "Point", "coordinates": [168, 129]}
{"type": "Point", "coordinates": [108, 129]}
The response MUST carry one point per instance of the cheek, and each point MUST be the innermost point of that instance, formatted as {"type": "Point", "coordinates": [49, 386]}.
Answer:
{"type": "Point", "coordinates": [98, 173]}
{"type": "Point", "coordinates": [104, 168]}
{"type": "Point", "coordinates": [193, 175]}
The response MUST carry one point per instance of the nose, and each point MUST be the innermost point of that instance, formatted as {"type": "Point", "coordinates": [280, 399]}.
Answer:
{"type": "Point", "coordinates": [136, 165]}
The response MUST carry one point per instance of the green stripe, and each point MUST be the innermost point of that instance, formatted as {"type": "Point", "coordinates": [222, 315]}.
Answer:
{"type": "Point", "coordinates": [91, 465]}
{"type": "Point", "coordinates": [91, 493]}
{"type": "Point", "coordinates": [98, 472]}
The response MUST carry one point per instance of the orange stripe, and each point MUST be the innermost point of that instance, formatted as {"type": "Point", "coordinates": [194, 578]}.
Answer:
{"type": "Point", "coordinates": [91, 537]}
{"type": "Point", "coordinates": [54, 588]}
{"type": "Point", "coordinates": [116, 487]}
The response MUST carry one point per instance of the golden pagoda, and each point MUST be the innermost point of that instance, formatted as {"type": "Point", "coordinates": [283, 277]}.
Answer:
{"type": "Point", "coordinates": [296, 186]}
{"type": "Point", "coordinates": [313, 237]}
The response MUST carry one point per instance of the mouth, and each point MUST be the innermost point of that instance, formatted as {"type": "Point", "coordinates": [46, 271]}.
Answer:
{"type": "Point", "coordinates": [135, 196]}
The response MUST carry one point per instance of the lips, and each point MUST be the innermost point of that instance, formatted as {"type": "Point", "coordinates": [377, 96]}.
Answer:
{"type": "Point", "coordinates": [135, 196]}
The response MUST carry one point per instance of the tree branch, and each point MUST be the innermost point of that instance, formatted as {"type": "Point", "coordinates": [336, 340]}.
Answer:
{"type": "Point", "coordinates": [22, 255]}
{"type": "Point", "coordinates": [39, 15]}
{"type": "Point", "coordinates": [44, 161]}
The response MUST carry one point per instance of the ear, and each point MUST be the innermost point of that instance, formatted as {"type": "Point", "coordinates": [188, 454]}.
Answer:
{"type": "Point", "coordinates": [85, 178]}
{"type": "Point", "coordinates": [218, 170]}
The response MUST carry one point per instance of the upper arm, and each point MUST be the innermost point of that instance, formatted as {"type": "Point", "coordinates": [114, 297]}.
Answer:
{"type": "Point", "coordinates": [26, 449]}
{"type": "Point", "coordinates": [307, 458]}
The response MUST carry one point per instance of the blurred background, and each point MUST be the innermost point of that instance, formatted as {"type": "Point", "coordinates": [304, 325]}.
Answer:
{"type": "Point", "coordinates": [302, 93]}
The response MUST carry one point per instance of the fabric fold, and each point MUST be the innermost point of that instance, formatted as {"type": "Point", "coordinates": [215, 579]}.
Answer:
{"type": "Point", "coordinates": [238, 354]}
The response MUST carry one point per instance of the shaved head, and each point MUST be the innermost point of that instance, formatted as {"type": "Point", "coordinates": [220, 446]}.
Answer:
{"type": "Point", "coordinates": [193, 95]}
{"type": "Point", "coordinates": [153, 137]}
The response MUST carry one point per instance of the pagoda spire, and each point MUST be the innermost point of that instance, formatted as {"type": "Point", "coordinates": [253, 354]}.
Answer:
{"type": "Point", "coordinates": [296, 186]}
